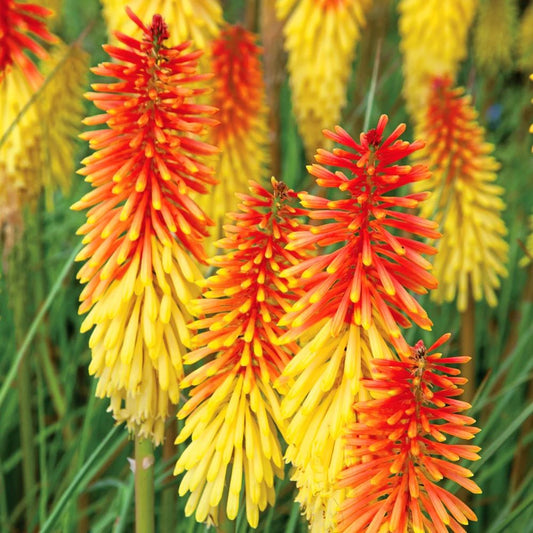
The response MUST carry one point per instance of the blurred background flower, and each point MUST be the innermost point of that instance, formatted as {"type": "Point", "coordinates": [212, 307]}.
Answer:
{"type": "Point", "coordinates": [241, 136]}
{"type": "Point", "coordinates": [321, 37]}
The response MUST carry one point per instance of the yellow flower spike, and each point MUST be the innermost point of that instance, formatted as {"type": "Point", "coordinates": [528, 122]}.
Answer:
{"type": "Point", "coordinates": [196, 20]}
{"type": "Point", "coordinates": [433, 43]}
{"type": "Point", "coordinates": [320, 38]}
{"type": "Point", "coordinates": [494, 36]}
{"type": "Point", "coordinates": [466, 201]}
{"type": "Point", "coordinates": [38, 152]}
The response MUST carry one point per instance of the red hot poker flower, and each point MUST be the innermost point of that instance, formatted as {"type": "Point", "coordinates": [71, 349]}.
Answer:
{"type": "Point", "coordinates": [239, 94]}
{"type": "Point", "coordinates": [16, 22]}
{"type": "Point", "coordinates": [233, 411]}
{"type": "Point", "coordinates": [146, 163]}
{"type": "Point", "coordinates": [369, 276]}
{"type": "Point", "coordinates": [356, 299]}
{"type": "Point", "coordinates": [400, 449]}
{"type": "Point", "coordinates": [466, 200]}
{"type": "Point", "coordinates": [142, 226]}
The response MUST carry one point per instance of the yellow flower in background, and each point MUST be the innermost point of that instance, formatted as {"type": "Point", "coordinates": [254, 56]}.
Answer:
{"type": "Point", "coordinates": [321, 37]}
{"type": "Point", "coordinates": [60, 124]}
{"type": "Point", "coordinates": [241, 135]}
{"type": "Point", "coordinates": [143, 235]}
{"type": "Point", "coordinates": [434, 37]}
{"type": "Point", "coordinates": [465, 201]}
{"type": "Point", "coordinates": [494, 36]}
{"type": "Point", "coordinates": [525, 40]}
{"type": "Point", "coordinates": [20, 136]}
{"type": "Point", "coordinates": [233, 414]}
{"type": "Point", "coordinates": [528, 258]}
{"type": "Point", "coordinates": [38, 151]}
{"type": "Point", "coordinates": [196, 20]}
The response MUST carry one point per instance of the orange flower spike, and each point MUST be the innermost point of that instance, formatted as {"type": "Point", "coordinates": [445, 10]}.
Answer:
{"type": "Point", "coordinates": [17, 21]}
{"type": "Point", "coordinates": [239, 81]}
{"type": "Point", "coordinates": [142, 227]}
{"type": "Point", "coordinates": [372, 272]}
{"type": "Point", "coordinates": [233, 411]}
{"type": "Point", "coordinates": [400, 436]}
{"type": "Point", "coordinates": [239, 93]}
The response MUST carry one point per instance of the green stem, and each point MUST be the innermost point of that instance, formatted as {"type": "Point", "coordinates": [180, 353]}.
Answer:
{"type": "Point", "coordinates": [468, 347]}
{"type": "Point", "coordinates": [19, 300]}
{"type": "Point", "coordinates": [144, 486]}
{"type": "Point", "coordinates": [168, 494]}
{"type": "Point", "coordinates": [25, 393]}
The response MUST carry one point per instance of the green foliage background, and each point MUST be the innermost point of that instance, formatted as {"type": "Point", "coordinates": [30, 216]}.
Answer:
{"type": "Point", "coordinates": [82, 477]}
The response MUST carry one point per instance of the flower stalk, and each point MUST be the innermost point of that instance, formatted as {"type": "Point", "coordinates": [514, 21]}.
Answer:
{"type": "Point", "coordinates": [144, 486]}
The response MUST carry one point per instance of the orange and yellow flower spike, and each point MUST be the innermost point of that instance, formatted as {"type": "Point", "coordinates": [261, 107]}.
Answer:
{"type": "Point", "coordinates": [320, 38]}
{"type": "Point", "coordinates": [433, 43]}
{"type": "Point", "coordinates": [233, 413]}
{"type": "Point", "coordinates": [143, 233]}
{"type": "Point", "coordinates": [398, 449]}
{"type": "Point", "coordinates": [18, 24]}
{"type": "Point", "coordinates": [196, 20]}
{"type": "Point", "coordinates": [357, 298]}
{"type": "Point", "coordinates": [241, 136]}
{"type": "Point", "coordinates": [465, 201]}
{"type": "Point", "coordinates": [494, 36]}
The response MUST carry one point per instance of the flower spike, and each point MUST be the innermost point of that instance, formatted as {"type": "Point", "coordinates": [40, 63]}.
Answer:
{"type": "Point", "coordinates": [472, 252]}
{"type": "Point", "coordinates": [434, 40]}
{"type": "Point", "coordinates": [368, 275]}
{"type": "Point", "coordinates": [17, 21]}
{"type": "Point", "coordinates": [398, 450]}
{"type": "Point", "coordinates": [241, 136]}
{"type": "Point", "coordinates": [143, 232]}
{"type": "Point", "coordinates": [320, 38]}
{"type": "Point", "coordinates": [357, 298]}
{"type": "Point", "coordinates": [494, 37]}
{"type": "Point", "coordinates": [233, 413]}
